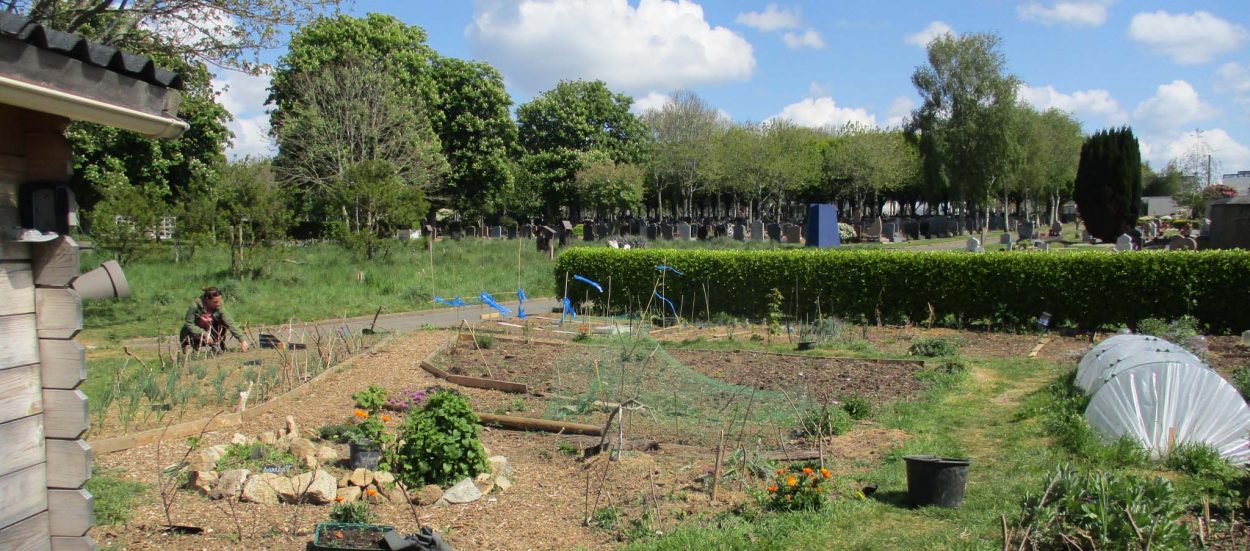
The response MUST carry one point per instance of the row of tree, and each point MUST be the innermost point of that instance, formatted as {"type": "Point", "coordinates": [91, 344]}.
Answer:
{"type": "Point", "coordinates": [376, 131]}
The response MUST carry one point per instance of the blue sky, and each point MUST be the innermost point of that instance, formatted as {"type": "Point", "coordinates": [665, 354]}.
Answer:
{"type": "Point", "coordinates": [1177, 72]}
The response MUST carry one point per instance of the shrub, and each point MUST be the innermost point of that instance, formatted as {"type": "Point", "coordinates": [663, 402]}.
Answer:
{"type": "Point", "coordinates": [1241, 379]}
{"type": "Point", "coordinates": [857, 406]}
{"type": "Point", "coordinates": [254, 457]}
{"type": "Point", "coordinates": [1197, 459]}
{"type": "Point", "coordinates": [933, 348]}
{"type": "Point", "coordinates": [438, 443]}
{"type": "Point", "coordinates": [796, 489]}
{"type": "Point", "coordinates": [825, 420]}
{"type": "Point", "coordinates": [338, 432]}
{"type": "Point", "coordinates": [1108, 510]}
{"type": "Point", "coordinates": [1088, 289]}
{"type": "Point", "coordinates": [1176, 331]}
{"type": "Point", "coordinates": [485, 342]}
{"type": "Point", "coordinates": [353, 513]}
{"type": "Point", "coordinates": [953, 366]}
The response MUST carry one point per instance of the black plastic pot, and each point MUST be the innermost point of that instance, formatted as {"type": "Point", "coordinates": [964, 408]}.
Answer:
{"type": "Point", "coordinates": [806, 345]}
{"type": "Point", "coordinates": [933, 480]}
{"type": "Point", "coordinates": [364, 456]}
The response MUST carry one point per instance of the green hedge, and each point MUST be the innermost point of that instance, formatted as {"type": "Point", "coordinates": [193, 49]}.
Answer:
{"type": "Point", "coordinates": [1089, 289]}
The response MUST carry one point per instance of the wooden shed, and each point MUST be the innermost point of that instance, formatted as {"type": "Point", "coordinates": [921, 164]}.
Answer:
{"type": "Point", "coordinates": [48, 79]}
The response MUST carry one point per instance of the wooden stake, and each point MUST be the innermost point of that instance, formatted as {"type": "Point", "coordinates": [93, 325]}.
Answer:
{"type": "Point", "coordinates": [720, 453]}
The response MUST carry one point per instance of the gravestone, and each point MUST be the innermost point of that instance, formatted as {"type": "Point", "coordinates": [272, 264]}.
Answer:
{"type": "Point", "coordinates": [652, 231]}
{"type": "Point", "coordinates": [603, 230]}
{"type": "Point", "coordinates": [470, 231]}
{"type": "Point", "coordinates": [822, 226]}
{"type": "Point", "coordinates": [635, 227]}
{"type": "Point", "coordinates": [973, 245]}
{"type": "Point", "coordinates": [513, 232]}
{"type": "Point", "coordinates": [1005, 239]}
{"type": "Point", "coordinates": [1056, 229]}
{"type": "Point", "coordinates": [683, 231]}
{"type": "Point", "coordinates": [545, 234]}
{"type": "Point", "coordinates": [705, 232]}
{"type": "Point", "coordinates": [666, 231]}
{"type": "Point", "coordinates": [911, 228]}
{"type": "Point", "coordinates": [1229, 225]}
{"type": "Point", "coordinates": [588, 231]}
{"type": "Point", "coordinates": [890, 232]}
{"type": "Point", "coordinates": [496, 232]}
{"type": "Point", "coordinates": [429, 231]}
{"type": "Point", "coordinates": [1182, 243]}
{"type": "Point", "coordinates": [922, 228]}
{"type": "Point", "coordinates": [740, 232]}
{"type": "Point", "coordinates": [794, 234]}
{"type": "Point", "coordinates": [1026, 230]}
{"type": "Point", "coordinates": [773, 231]}
{"type": "Point", "coordinates": [757, 230]}
{"type": "Point", "coordinates": [566, 233]}
{"type": "Point", "coordinates": [527, 231]}
{"type": "Point", "coordinates": [872, 233]}
{"type": "Point", "coordinates": [1124, 243]}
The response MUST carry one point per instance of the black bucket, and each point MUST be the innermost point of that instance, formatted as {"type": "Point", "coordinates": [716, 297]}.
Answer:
{"type": "Point", "coordinates": [363, 456]}
{"type": "Point", "coordinates": [933, 480]}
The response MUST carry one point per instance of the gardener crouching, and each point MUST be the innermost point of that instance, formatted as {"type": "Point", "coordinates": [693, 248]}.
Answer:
{"type": "Point", "coordinates": [206, 324]}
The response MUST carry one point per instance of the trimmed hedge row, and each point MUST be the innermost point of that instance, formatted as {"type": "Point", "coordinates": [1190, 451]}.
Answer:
{"type": "Point", "coordinates": [1089, 289]}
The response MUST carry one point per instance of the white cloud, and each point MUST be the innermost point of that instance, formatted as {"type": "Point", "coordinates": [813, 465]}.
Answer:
{"type": "Point", "coordinates": [816, 89]}
{"type": "Point", "coordinates": [244, 96]}
{"type": "Point", "coordinates": [806, 39]}
{"type": "Point", "coordinates": [1233, 78]}
{"type": "Point", "coordinates": [1173, 106]}
{"type": "Point", "coordinates": [771, 19]}
{"type": "Point", "coordinates": [652, 101]}
{"type": "Point", "coordinates": [1073, 13]}
{"type": "Point", "coordinates": [926, 35]}
{"type": "Point", "coordinates": [900, 109]}
{"type": "Point", "coordinates": [1223, 148]}
{"type": "Point", "coordinates": [1083, 103]}
{"type": "Point", "coordinates": [251, 138]}
{"type": "Point", "coordinates": [1186, 38]}
{"type": "Point", "coordinates": [658, 45]}
{"type": "Point", "coordinates": [824, 112]}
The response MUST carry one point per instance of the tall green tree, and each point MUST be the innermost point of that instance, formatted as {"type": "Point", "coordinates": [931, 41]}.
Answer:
{"type": "Point", "coordinates": [968, 99]}
{"type": "Point", "coordinates": [608, 187]}
{"type": "Point", "coordinates": [1108, 183]}
{"type": "Point", "coordinates": [251, 208]}
{"type": "Point", "coordinates": [477, 133]}
{"type": "Point", "coordinates": [377, 202]}
{"type": "Point", "coordinates": [575, 117]}
{"type": "Point", "coordinates": [683, 138]}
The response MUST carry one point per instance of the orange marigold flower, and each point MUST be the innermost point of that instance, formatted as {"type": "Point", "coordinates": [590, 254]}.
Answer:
{"type": "Point", "coordinates": [792, 481]}
{"type": "Point", "coordinates": [340, 498]}
{"type": "Point", "coordinates": [362, 414]}
{"type": "Point", "coordinates": [772, 489]}
{"type": "Point", "coordinates": [807, 470]}
{"type": "Point", "coordinates": [386, 418]}
{"type": "Point", "coordinates": [371, 492]}
{"type": "Point", "coordinates": [781, 471]}
{"type": "Point", "coordinates": [825, 472]}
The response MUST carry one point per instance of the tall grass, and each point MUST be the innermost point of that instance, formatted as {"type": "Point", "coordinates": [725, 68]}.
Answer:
{"type": "Point", "coordinates": [314, 282]}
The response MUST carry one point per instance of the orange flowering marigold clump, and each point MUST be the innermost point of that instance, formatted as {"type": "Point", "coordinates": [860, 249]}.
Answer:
{"type": "Point", "coordinates": [340, 498]}
{"type": "Point", "coordinates": [792, 481]}
{"type": "Point", "coordinates": [371, 492]}
{"type": "Point", "coordinates": [781, 471]}
{"type": "Point", "coordinates": [772, 489]}
{"type": "Point", "coordinates": [362, 414]}
{"type": "Point", "coordinates": [386, 418]}
{"type": "Point", "coordinates": [807, 470]}
{"type": "Point", "coordinates": [825, 472]}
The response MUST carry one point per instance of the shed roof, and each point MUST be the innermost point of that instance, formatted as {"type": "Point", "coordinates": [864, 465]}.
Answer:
{"type": "Point", "coordinates": [92, 53]}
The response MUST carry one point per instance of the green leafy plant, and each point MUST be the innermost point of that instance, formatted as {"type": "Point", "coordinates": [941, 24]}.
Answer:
{"type": "Point", "coordinates": [799, 489]}
{"type": "Point", "coordinates": [567, 448]}
{"type": "Point", "coordinates": [825, 420]}
{"type": "Point", "coordinates": [485, 342]}
{"type": "Point", "coordinates": [856, 405]}
{"type": "Point", "coordinates": [371, 399]}
{"type": "Point", "coordinates": [337, 432]}
{"type": "Point", "coordinates": [1241, 380]}
{"type": "Point", "coordinates": [353, 513]}
{"type": "Point", "coordinates": [933, 348]}
{"type": "Point", "coordinates": [581, 336]}
{"type": "Point", "coordinates": [1107, 510]}
{"type": "Point", "coordinates": [774, 314]}
{"type": "Point", "coordinates": [254, 457]}
{"type": "Point", "coordinates": [1177, 331]}
{"type": "Point", "coordinates": [438, 443]}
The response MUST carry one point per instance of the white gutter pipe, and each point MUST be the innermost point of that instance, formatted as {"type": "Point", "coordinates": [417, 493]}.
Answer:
{"type": "Point", "coordinates": [47, 100]}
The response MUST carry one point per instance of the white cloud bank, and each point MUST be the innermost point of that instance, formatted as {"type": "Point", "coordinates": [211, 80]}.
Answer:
{"type": "Point", "coordinates": [1072, 13]}
{"type": "Point", "coordinates": [1187, 38]}
{"type": "Point", "coordinates": [1174, 106]}
{"type": "Point", "coordinates": [244, 97]}
{"type": "Point", "coordinates": [1096, 103]}
{"type": "Point", "coordinates": [806, 39]}
{"type": "Point", "coordinates": [928, 34]}
{"type": "Point", "coordinates": [658, 45]}
{"type": "Point", "coordinates": [771, 19]}
{"type": "Point", "coordinates": [823, 112]}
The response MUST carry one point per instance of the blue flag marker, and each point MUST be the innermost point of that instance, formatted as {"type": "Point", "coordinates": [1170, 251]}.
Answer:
{"type": "Point", "coordinates": [589, 282]}
{"type": "Point", "coordinates": [670, 303]}
{"type": "Point", "coordinates": [568, 310]}
{"type": "Point", "coordinates": [520, 303]}
{"type": "Point", "coordinates": [454, 302]}
{"type": "Point", "coordinates": [663, 267]}
{"type": "Point", "coordinates": [490, 301]}
{"type": "Point", "coordinates": [520, 295]}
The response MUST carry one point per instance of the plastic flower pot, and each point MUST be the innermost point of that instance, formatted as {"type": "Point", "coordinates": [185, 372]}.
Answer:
{"type": "Point", "coordinates": [364, 455]}
{"type": "Point", "coordinates": [350, 537]}
{"type": "Point", "coordinates": [806, 345]}
{"type": "Point", "coordinates": [933, 480]}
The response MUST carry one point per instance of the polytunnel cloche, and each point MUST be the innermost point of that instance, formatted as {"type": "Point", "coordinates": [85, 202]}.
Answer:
{"type": "Point", "coordinates": [1161, 395]}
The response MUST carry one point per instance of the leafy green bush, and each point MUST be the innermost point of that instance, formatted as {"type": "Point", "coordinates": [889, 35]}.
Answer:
{"type": "Point", "coordinates": [1197, 459]}
{"type": "Point", "coordinates": [338, 432]}
{"type": "Point", "coordinates": [354, 513]}
{"type": "Point", "coordinates": [856, 405]}
{"type": "Point", "coordinates": [825, 420]}
{"type": "Point", "coordinates": [1241, 380]}
{"type": "Point", "coordinates": [951, 365]}
{"type": "Point", "coordinates": [1088, 289]}
{"type": "Point", "coordinates": [1107, 510]}
{"type": "Point", "coordinates": [933, 348]}
{"type": "Point", "coordinates": [485, 342]}
{"type": "Point", "coordinates": [254, 457]}
{"type": "Point", "coordinates": [1176, 331]}
{"type": "Point", "coordinates": [438, 443]}
{"type": "Point", "coordinates": [371, 399]}
{"type": "Point", "coordinates": [1061, 407]}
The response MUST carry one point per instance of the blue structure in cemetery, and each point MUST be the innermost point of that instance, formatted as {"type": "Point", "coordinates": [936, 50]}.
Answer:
{"type": "Point", "coordinates": [822, 226]}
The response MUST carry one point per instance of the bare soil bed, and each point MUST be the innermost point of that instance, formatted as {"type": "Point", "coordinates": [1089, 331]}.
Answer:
{"type": "Point", "coordinates": [827, 378]}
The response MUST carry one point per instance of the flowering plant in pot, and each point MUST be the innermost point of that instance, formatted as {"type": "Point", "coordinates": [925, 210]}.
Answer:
{"type": "Point", "coordinates": [796, 489]}
{"type": "Point", "coordinates": [368, 435]}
